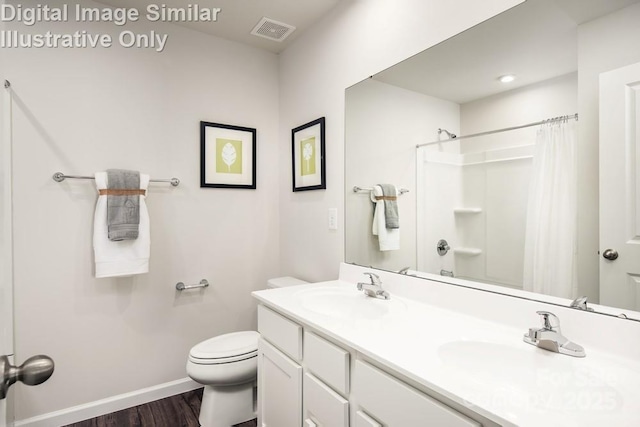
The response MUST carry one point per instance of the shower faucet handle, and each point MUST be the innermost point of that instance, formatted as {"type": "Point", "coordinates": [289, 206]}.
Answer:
{"type": "Point", "coordinates": [442, 247]}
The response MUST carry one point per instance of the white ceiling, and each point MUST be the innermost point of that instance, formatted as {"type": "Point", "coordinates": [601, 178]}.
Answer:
{"type": "Point", "coordinates": [586, 10]}
{"type": "Point", "coordinates": [238, 17]}
{"type": "Point", "coordinates": [536, 41]}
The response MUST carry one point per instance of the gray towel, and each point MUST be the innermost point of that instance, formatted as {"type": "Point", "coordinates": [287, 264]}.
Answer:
{"type": "Point", "coordinates": [123, 211]}
{"type": "Point", "coordinates": [391, 217]}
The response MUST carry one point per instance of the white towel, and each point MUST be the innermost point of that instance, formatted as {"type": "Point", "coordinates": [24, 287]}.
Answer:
{"type": "Point", "coordinates": [388, 239]}
{"type": "Point", "coordinates": [125, 257]}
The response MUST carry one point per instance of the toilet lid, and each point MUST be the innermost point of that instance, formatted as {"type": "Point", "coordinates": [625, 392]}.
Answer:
{"type": "Point", "coordinates": [227, 346]}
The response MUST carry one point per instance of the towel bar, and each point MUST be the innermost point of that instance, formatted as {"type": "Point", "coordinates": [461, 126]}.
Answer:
{"type": "Point", "coordinates": [357, 189]}
{"type": "Point", "coordinates": [181, 286]}
{"type": "Point", "coordinates": [59, 177]}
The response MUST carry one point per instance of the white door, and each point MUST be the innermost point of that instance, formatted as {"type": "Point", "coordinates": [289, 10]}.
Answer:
{"type": "Point", "coordinates": [6, 263]}
{"type": "Point", "coordinates": [35, 370]}
{"type": "Point", "coordinates": [5, 345]}
{"type": "Point", "coordinates": [620, 187]}
{"type": "Point", "coordinates": [5, 348]}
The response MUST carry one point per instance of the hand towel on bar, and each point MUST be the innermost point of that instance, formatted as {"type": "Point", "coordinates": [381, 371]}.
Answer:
{"type": "Point", "coordinates": [388, 238]}
{"type": "Point", "coordinates": [390, 197]}
{"type": "Point", "coordinates": [124, 257]}
{"type": "Point", "coordinates": [123, 206]}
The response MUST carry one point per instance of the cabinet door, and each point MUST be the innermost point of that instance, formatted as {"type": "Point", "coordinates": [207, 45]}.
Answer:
{"type": "Point", "coordinates": [279, 388]}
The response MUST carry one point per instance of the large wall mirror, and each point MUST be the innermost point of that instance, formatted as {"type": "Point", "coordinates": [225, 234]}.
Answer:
{"type": "Point", "coordinates": [527, 185]}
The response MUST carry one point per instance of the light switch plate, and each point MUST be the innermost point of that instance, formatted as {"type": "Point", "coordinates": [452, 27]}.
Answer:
{"type": "Point", "coordinates": [333, 218]}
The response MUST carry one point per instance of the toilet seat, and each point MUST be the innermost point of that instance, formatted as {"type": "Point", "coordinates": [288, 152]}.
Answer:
{"type": "Point", "coordinates": [222, 360]}
{"type": "Point", "coordinates": [227, 348]}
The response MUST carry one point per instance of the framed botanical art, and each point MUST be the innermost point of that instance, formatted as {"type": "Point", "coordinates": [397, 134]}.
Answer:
{"type": "Point", "coordinates": [308, 156]}
{"type": "Point", "coordinates": [227, 156]}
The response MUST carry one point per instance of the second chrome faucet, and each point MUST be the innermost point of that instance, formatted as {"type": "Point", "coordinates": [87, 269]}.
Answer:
{"type": "Point", "coordinates": [550, 338]}
{"type": "Point", "coordinates": [373, 289]}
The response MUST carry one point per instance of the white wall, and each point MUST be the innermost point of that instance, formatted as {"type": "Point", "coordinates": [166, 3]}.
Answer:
{"type": "Point", "coordinates": [604, 44]}
{"type": "Point", "coordinates": [358, 39]}
{"type": "Point", "coordinates": [384, 124]}
{"type": "Point", "coordinates": [85, 110]}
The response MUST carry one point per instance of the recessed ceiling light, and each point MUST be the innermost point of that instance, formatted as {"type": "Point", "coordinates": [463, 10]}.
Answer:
{"type": "Point", "coordinates": [507, 78]}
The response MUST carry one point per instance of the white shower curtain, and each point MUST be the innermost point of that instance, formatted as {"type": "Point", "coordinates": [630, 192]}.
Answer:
{"type": "Point", "coordinates": [550, 240]}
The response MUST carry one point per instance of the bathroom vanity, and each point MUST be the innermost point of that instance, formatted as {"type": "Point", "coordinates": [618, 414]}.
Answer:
{"type": "Point", "coordinates": [435, 354]}
{"type": "Point", "coordinates": [321, 387]}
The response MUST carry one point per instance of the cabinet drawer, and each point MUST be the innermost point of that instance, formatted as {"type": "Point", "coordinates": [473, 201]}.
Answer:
{"type": "Point", "coordinates": [410, 408]}
{"type": "Point", "coordinates": [364, 420]}
{"type": "Point", "coordinates": [280, 331]}
{"type": "Point", "coordinates": [327, 361]}
{"type": "Point", "coordinates": [323, 407]}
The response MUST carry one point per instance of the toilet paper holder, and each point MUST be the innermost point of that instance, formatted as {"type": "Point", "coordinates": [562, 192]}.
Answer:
{"type": "Point", "coordinates": [181, 286]}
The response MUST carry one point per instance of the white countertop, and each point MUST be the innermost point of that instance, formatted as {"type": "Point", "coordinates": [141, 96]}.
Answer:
{"type": "Point", "coordinates": [480, 364]}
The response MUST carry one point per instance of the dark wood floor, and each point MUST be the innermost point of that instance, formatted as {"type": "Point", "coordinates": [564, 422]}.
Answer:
{"type": "Point", "coordinates": [175, 411]}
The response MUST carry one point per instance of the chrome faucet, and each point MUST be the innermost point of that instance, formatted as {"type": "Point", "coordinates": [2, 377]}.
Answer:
{"type": "Point", "coordinates": [406, 270]}
{"type": "Point", "coordinates": [373, 289]}
{"type": "Point", "coordinates": [550, 338]}
{"type": "Point", "coordinates": [580, 303]}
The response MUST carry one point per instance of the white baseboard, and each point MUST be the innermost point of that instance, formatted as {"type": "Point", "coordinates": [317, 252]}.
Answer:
{"type": "Point", "coordinates": [108, 405]}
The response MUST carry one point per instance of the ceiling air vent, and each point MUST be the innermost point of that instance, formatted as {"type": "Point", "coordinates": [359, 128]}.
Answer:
{"type": "Point", "coordinates": [272, 30]}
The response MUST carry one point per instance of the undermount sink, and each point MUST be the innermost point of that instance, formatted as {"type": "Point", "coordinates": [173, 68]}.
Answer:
{"type": "Point", "coordinates": [344, 303]}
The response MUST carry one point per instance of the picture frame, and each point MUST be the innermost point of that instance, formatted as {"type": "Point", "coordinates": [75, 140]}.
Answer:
{"type": "Point", "coordinates": [308, 156]}
{"type": "Point", "coordinates": [227, 156]}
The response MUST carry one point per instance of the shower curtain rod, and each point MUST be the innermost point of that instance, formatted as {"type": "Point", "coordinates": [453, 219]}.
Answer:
{"type": "Point", "coordinates": [541, 122]}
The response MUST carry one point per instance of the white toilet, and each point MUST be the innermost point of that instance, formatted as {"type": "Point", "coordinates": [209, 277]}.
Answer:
{"type": "Point", "coordinates": [227, 366]}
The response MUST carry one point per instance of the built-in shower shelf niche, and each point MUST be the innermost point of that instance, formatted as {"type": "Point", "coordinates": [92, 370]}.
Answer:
{"type": "Point", "coordinates": [467, 251]}
{"type": "Point", "coordinates": [465, 211]}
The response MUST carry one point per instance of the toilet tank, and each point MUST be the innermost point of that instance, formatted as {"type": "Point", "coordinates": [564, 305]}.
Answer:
{"type": "Point", "coordinates": [281, 282]}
